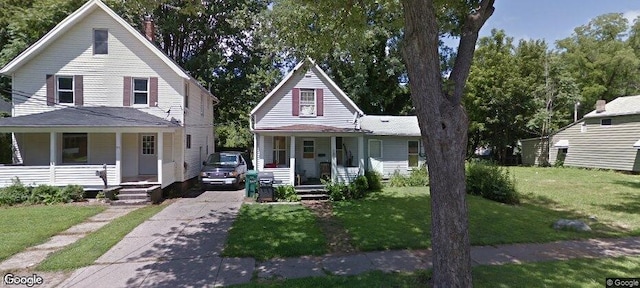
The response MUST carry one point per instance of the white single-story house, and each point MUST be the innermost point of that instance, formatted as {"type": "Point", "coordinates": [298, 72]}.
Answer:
{"type": "Point", "coordinates": [308, 128]}
{"type": "Point", "coordinates": [95, 93]}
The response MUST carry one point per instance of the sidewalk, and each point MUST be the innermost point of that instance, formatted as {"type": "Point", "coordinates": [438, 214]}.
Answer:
{"type": "Point", "coordinates": [182, 246]}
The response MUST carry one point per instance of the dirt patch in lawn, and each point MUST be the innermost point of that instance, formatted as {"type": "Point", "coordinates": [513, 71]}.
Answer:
{"type": "Point", "coordinates": [338, 239]}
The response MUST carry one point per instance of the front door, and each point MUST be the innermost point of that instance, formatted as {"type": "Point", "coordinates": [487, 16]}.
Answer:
{"type": "Point", "coordinates": [148, 160]}
{"type": "Point", "coordinates": [309, 158]}
{"type": "Point", "coordinates": [375, 156]}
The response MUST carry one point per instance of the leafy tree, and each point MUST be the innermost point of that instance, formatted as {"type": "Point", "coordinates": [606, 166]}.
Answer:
{"type": "Point", "coordinates": [602, 62]}
{"type": "Point", "coordinates": [437, 99]}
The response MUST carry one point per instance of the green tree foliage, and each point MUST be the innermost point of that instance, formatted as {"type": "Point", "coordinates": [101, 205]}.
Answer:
{"type": "Point", "coordinates": [602, 59]}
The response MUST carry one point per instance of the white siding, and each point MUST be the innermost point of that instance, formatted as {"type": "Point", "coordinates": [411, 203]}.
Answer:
{"type": "Point", "coordinates": [72, 54]}
{"type": "Point", "coordinates": [606, 147]}
{"type": "Point", "coordinates": [28, 175]}
{"type": "Point", "coordinates": [83, 175]}
{"type": "Point", "coordinates": [534, 151]}
{"type": "Point", "coordinates": [395, 154]}
{"type": "Point", "coordinates": [277, 110]}
{"type": "Point", "coordinates": [200, 127]}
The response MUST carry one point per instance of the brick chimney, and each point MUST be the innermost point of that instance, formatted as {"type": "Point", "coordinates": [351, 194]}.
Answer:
{"type": "Point", "coordinates": [149, 28]}
{"type": "Point", "coordinates": [600, 106]}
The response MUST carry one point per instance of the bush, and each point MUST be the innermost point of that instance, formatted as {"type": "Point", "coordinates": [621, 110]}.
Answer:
{"type": "Point", "coordinates": [16, 193]}
{"type": "Point", "coordinates": [358, 188]}
{"type": "Point", "coordinates": [374, 179]}
{"type": "Point", "coordinates": [418, 177]}
{"type": "Point", "coordinates": [287, 193]}
{"type": "Point", "coordinates": [337, 191]}
{"type": "Point", "coordinates": [73, 192]}
{"type": "Point", "coordinates": [491, 182]}
{"type": "Point", "coordinates": [46, 194]}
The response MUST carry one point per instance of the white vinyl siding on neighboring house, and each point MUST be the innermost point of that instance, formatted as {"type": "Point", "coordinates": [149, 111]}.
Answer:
{"type": "Point", "coordinates": [72, 54]}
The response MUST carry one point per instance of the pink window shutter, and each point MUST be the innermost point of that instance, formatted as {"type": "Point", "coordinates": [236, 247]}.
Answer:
{"type": "Point", "coordinates": [153, 92]}
{"type": "Point", "coordinates": [320, 102]}
{"type": "Point", "coordinates": [295, 109]}
{"type": "Point", "coordinates": [51, 90]}
{"type": "Point", "coordinates": [78, 90]}
{"type": "Point", "coordinates": [126, 91]}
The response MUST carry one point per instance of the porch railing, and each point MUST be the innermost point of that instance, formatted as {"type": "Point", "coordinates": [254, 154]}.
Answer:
{"type": "Point", "coordinates": [347, 174]}
{"type": "Point", "coordinates": [84, 175]}
{"type": "Point", "coordinates": [279, 174]}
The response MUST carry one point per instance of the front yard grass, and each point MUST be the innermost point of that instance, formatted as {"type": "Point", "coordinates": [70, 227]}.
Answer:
{"type": "Point", "coordinates": [571, 273]}
{"type": "Point", "coordinates": [269, 231]}
{"type": "Point", "coordinates": [611, 196]}
{"type": "Point", "coordinates": [86, 250]}
{"type": "Point", "coordinates": [26, 226]}
{"type": "Point", "coordinates": [400, 218]}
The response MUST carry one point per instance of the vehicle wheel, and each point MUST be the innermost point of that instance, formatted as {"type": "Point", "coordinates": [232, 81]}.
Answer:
{"type": "Point", "coordinates": [236, 185]}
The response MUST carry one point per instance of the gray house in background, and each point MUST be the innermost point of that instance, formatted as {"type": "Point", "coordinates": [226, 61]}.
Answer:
{"type": "Point", "coordinates": [606, 138]}
{"type": "Point", "coordinates": [5, 106]}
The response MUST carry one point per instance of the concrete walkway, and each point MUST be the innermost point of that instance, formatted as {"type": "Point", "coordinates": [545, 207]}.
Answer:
{"type": "Point", "coordinates": [35, 255]}
{"type": "Point", "coordinates": [181, 247]}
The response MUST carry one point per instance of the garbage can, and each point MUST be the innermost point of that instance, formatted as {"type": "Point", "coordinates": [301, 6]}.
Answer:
{"type": "Point", "coordinates": [265, 190]}
{"type": "Point", "coordinates": [251, 183]}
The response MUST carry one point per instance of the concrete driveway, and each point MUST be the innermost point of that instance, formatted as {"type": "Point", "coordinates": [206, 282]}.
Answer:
{"type": "Point", "coordinates": [179, 247]}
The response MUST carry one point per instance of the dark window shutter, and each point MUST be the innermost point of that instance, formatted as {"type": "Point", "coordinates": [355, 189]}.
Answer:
{"type": "Point", "coordinates": [126, 91]}
{"type": "Point", "coordinates": [320, 102]}
{"type": "Point", "coordinates": [295, 109]}
{"type": "Point", "coordinates": [78, 90]}
{"type": "Point", "coordinates": [153, 92]}
{"type": "Point", "coordinates": [51, 90]}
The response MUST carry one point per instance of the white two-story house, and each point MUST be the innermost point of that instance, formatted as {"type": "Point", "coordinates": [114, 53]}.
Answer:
{"type": "Point", "coordinates": [307, 128]}
{"type": "Point", "coordinates": [95, 92]}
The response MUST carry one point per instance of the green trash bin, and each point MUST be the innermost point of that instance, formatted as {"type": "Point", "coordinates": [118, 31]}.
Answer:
{"type": "Point", "coordinates": [251, 183]}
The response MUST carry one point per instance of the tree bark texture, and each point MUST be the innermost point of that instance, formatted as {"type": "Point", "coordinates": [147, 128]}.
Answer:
{"type": "Point", "coordinates": [443, 125]}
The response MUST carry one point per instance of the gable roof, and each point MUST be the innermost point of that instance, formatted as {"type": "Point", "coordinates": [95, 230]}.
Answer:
{"type": "Point", "coordinates": [390, 125]}
{"type": "Point", "coordinates": [88, 117]}
{"type": "Point", "coordinates": [628, 105]}
{"type": "Point", "coordinates": [80, 15]}
{"type": "Point", "coordinates": [322, 75]}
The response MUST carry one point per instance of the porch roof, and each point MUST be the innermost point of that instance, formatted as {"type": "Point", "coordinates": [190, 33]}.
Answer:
{"type": "Point", "coordinates": [309, 128]}
{"type": "Point", "coordinates": [88, 117]}
{"type": "Point", "coordinates": [390, 125]}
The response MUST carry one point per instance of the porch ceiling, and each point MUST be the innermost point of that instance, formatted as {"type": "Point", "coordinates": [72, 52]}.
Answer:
{"type": "Point", "coordinates": [121, 118]}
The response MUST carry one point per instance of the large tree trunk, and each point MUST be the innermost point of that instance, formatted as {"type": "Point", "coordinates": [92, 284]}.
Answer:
{"type": "Point", "coordinates": [443, 125]}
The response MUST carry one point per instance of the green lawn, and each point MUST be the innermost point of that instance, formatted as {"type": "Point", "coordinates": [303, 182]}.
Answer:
{"type": "Point", "coordinates": [399, 218]}
{"type": "Point", "coordinates": [86, 250]}
{"type": "Point", "coordinates": [571, 273]}
{"type": "Point", "coordinates": [611, 196]}
{"type": "Point", "coordinates": [268, 231]}
{"type": "Point", "coordinates": [26, 226]}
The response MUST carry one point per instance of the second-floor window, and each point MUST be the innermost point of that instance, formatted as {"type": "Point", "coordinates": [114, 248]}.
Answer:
{"type": "Point", "coordinates": [100, 41]}
{"type": "Point", "coordinates": [307, 102]}
{"type": "Point", "coordinates": [64, 89]}
{"type": "Point", "coordinates": [140, 91]}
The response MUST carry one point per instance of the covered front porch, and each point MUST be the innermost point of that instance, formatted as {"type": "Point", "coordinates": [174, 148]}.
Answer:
{"type": "Point", "coordinates": [75, 145]}
{"type": "Point", "coordinates": [62, 158]}
{"type": "Point", "coordinates": [305, 158]}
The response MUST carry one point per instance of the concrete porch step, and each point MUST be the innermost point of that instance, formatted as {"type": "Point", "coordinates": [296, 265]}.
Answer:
{"type": "Point", "coordinates": [309, 197]}
{"type": "Point", "coordinates": [136, 196]}
{"type": "Point", "coordinates": [130, 202]}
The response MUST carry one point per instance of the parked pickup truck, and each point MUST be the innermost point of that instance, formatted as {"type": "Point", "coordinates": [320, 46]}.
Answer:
{"type": "Point", "coordinates": [223, 169]}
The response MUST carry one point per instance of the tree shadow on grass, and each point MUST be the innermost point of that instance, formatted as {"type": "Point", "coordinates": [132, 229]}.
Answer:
{"type": "Point", "coordinates": [630, 205]}
{"type": "Point", "coordinates": [629, 184]}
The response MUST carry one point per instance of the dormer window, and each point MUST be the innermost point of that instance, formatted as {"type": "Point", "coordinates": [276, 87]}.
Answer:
{"type": "Point", "coordinates": [307, 102]}
{"type": "Point", "coordinates": [64, 89]}
{"type": "Point", "coordinates": [100, 42]}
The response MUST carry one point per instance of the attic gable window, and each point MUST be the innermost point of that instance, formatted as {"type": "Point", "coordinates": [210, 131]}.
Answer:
{"type": "Point", "coordinates": [307, 102]}
{"type": "Point", "coordinates": [605, 122]}
{"type": "Point", "coordinates": [100, 42]}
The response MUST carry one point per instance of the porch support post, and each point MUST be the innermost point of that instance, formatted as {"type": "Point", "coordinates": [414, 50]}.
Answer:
{"type": "Point", "coordinates": [334, 160]}
{"type": "Point", "coordinates": [255, 152]}
{"type": "Point", "coordinates": [118, 179]}
{"type": "Point", "coordinates": [292, 161]}
{"type": "Point", "coordinates": [260, 156]}
{"type": "Point", "coordinates": [361, 155]}
{"type": "Point", "coordinates": [159, 152]}
{"type": "Point", "coordinates": [52, 157]}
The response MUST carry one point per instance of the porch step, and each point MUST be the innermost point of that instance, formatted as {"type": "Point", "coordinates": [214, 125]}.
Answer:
{"type": "Point", "coordinates": [135, 195]}
{"type": "Point", "coordinates": [309, 197]}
